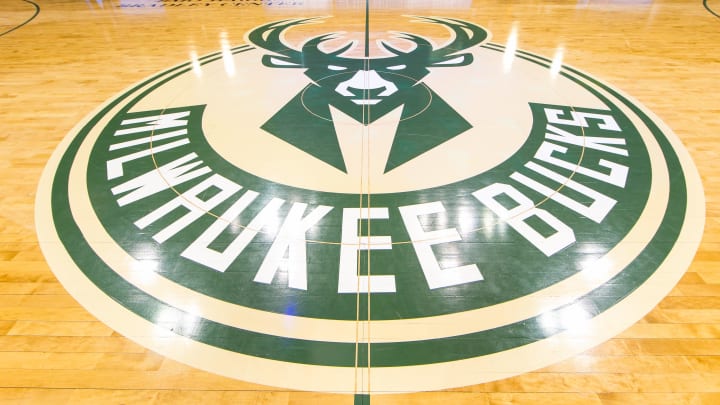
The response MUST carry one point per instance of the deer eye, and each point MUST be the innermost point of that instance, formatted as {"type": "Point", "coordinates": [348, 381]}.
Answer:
{"type": "Point", "coordinates": [335, 67]}
{"type": "Point", "coordinates": [397, 67]}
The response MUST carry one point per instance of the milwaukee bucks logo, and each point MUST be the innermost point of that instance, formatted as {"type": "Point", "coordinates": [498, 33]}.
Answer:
{"type": "Point", "coordinates": [298, 211]}
{"type": "Point", "coordinates": [367, 89]}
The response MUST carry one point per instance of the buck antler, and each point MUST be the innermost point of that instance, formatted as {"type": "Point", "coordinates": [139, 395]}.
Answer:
{"type": "Point", "coordinates": [311, 47]}
{"type": "Point", "coordinates": [465, 35]}
{"type": "Point", "coordinates": [268, 37]}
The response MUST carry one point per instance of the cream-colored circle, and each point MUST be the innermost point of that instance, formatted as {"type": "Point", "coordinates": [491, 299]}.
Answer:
{"type": "Point", "coordinates": [559, 294]}
{"type": "Point", "coordinates": [435, 376]}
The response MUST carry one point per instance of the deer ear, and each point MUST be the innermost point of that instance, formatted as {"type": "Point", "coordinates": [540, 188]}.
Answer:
{"type": "Point", "coordinates": [279, 62]}
{"type": "Point", "coordinates": [454, 60]}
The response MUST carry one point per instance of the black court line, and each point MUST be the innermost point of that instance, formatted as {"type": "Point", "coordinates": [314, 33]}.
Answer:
{"type": "Point", "coordinates": [37, 11]}
{"type": "Point", "coordinates": [710, 10]}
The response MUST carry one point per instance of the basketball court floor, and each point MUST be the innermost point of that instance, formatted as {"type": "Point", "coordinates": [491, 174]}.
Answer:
{"type": "Point", "coordinates": [359, 202]}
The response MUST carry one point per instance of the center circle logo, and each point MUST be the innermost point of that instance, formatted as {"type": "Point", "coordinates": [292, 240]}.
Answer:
{"type": "Point", "coordinates": [436, 213]}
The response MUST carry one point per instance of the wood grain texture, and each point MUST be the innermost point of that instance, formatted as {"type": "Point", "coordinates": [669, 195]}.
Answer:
{"type": "Point", "coordinates": [74, 55]}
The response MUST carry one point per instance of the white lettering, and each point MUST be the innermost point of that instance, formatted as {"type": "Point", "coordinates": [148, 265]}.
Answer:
{"type": "Point", "coordinates": [423, 241]}
{"type": "Point", "coordinates": [525, 209]}
{"type": "Point", "coordinates": [191, 201]}
{"type": "Point", "coordinates": [590, 142]}
{"type": "Point", "coordinates": [199, 251]}
{"type": "Point", "coordinates": [579, 119]}
{"type": "Point", "coordinates": [154, 122]}
{"type": "Point", "coordinates": [115, 166]}
{"type": "Point", "coordinates": [147, 139]}
{"type": "Point", "coordinates": [349, 281]}
{"type": "Point", "coordinates": [154, 181]}
{"type": "Point", "coordinates": [291, 239]}
{"type": "Point", "coordinates": [617, 176]}
{"type": "Point", "coordinates": [597, 210]}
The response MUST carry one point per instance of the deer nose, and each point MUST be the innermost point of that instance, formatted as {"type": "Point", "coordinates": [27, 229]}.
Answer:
{"type": "Point", "coordinates": [366, 80]}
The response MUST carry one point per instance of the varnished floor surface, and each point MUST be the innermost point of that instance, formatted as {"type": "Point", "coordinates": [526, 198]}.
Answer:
{"type": "Point", "coordinates": [61, 59]}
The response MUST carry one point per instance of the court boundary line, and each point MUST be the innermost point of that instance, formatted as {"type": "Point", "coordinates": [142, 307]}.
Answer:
{"type": "Point", "coordinates": [710, 10]}
{"type": "Point", "coordinates": [37, 11]}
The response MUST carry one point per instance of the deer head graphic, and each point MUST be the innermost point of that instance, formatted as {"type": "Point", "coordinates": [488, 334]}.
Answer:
{"type": "Point", "coordinates": [367, 88]}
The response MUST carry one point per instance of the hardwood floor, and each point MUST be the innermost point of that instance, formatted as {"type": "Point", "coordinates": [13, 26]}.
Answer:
{"type": "Point", "coordinates": [59, 64]}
